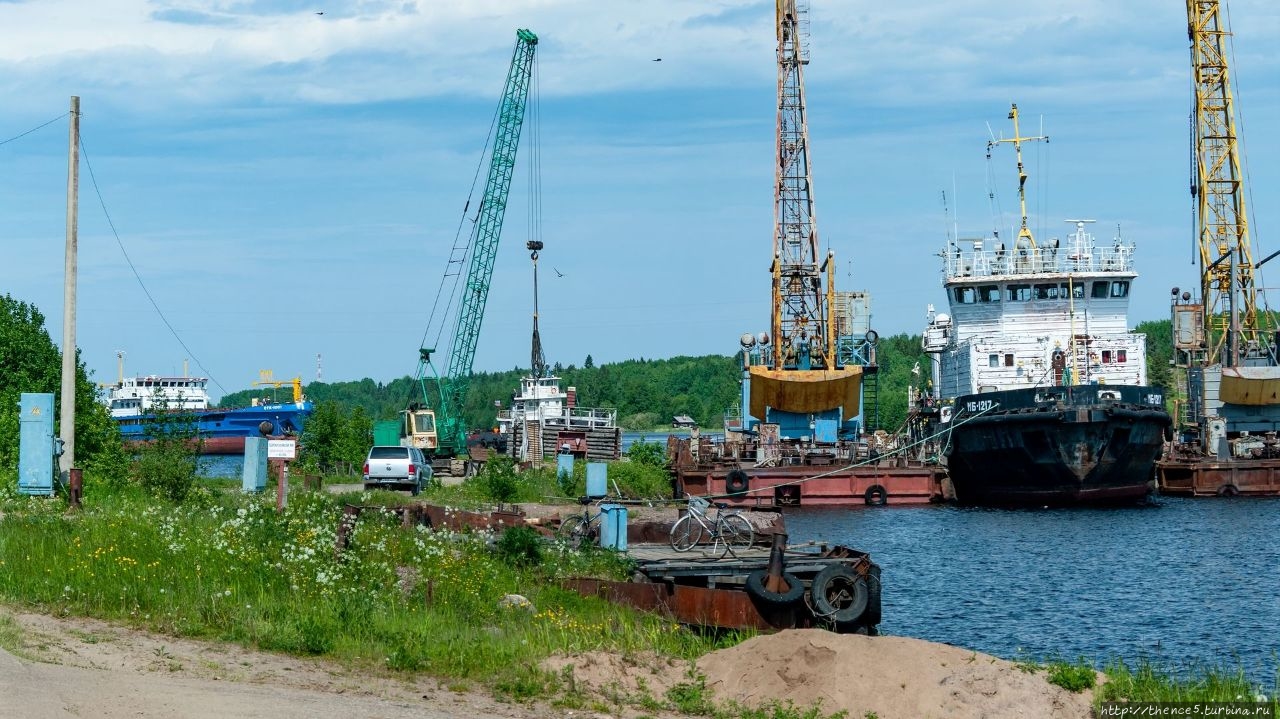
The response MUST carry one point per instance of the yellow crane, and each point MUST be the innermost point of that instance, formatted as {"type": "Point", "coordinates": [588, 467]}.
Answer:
{"type": "Point", "coordinates": [267, 378]}
{"type": "Point", "coordinates": [1227, 284]}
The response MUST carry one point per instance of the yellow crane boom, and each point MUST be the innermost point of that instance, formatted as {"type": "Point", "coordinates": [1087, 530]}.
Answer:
{"type": "Point", "coordinates": [1226, 262]}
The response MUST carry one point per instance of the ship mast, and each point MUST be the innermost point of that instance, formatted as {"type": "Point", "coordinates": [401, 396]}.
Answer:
{"type": "Point", "coordinates": [801, 323]}
{"type": "Point", "coordinates": [1226, 263]}
{"type": "Point", "coordinates": [1023, 232]}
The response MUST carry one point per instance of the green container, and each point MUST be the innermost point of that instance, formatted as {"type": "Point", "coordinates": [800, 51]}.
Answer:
{"type": "Point", "coordinates": [386, 432]}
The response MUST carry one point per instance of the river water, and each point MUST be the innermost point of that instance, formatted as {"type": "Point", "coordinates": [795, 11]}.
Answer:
{"type": "Point", "coordinates": [1184, 583]}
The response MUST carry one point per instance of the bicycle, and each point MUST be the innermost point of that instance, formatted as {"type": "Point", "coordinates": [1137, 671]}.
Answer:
{"type": "Point", "coordinates": [730, 532]}
{"type": "Point", "coordinates": [582, 526]}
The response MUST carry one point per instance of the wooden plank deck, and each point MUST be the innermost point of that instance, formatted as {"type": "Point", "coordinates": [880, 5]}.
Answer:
{"type": "Point", "coordinates": [661, 562]}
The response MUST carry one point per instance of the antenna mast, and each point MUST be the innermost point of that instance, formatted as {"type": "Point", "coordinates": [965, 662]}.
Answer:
{"type": "Point", "coordinates": [1017, 140]}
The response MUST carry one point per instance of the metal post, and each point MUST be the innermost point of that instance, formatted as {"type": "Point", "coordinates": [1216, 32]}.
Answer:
{"type": "Point", "coordinates": [67, 430]}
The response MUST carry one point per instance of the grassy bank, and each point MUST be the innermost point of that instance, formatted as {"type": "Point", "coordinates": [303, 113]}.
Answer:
{"type": "Point", "coordinates": [228, 567]}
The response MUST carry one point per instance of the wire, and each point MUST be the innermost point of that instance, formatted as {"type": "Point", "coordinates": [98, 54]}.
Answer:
{"type": "Point", "coordinates": [84, 151]}
{"type": "Point", "coordinates": [37, 127]}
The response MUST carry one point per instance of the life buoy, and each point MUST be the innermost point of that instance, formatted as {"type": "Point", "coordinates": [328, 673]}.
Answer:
{"type": "Point", "coordinates": [757, 587]}
{"type": "Point", "coordinates": [876, 496]}
{"type": "Point", "coordinates": [736, 482]}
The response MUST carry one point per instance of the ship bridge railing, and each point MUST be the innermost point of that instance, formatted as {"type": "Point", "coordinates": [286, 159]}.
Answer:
{"type": "Point", "coordinates": [575, 418]}
{"type": "Point", "coordinates": [1047, 259]}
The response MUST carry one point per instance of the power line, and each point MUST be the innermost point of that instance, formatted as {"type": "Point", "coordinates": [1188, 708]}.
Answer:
{"type": "Point", "coordinates": [94, 180]}
{"type": "Point", "coordinates": [38, 127]}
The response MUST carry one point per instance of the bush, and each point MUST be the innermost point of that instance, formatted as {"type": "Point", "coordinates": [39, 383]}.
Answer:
{"type": "Point", "coordinates": [650, 454]}
{"type": "Point", "coordinates": [498, 478]}
{"type": "Point", "coordinates": [520, 546]}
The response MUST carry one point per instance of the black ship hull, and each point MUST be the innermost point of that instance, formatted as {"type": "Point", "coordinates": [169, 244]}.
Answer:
{"type": "Point", "coordinates": [1057, 446]}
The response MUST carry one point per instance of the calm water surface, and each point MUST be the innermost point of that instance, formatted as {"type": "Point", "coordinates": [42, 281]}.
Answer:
{"type": "Point", "coordinates": [1182, 583]}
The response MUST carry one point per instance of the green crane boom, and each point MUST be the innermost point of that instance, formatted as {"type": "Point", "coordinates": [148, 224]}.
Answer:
{"type": "Point", "coordinates": [452, 428]}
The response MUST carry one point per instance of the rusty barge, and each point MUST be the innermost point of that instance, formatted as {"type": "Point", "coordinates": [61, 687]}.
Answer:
{"type": "Point", "coordinates": [744, 472]}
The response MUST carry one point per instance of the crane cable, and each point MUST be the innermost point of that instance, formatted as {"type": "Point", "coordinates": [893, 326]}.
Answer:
{"type": "Point", "coordinates": [453, 292]}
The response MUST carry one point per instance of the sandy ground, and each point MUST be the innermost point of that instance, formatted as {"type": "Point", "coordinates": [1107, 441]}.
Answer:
{"type": "Point", "coordinates": [72, 667]}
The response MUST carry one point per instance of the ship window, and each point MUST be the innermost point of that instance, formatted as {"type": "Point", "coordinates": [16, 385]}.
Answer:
{"type": "Point", "coordinates": [1106, 356]}
{"type": "Point", "coordinates": [1121, 356]}
{"type": "Point", "coordinates": [1008, 359]}
{"type": "Point", "coordinates": [993, 360]}
{"type": "Point", "coordinates": [1120, 288]}
{"type": "Point", "coordinates": [1019, 293]}
{"type": "Point", "coordinates": [989, 293]}
{"type": "Point", "coordinates": [1046, 292]}
{"type": "Point", "coordinates": [965, 295]}
{"type": "Point", "coordinates": [1076, 291]}
{"type": "Point", "coordinates": [1100, 290]}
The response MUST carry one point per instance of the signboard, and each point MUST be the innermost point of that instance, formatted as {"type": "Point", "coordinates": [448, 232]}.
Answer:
{"type": "Point", "coordinates": [282, 449]}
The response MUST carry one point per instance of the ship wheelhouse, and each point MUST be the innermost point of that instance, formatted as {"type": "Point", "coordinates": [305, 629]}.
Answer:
{"type": "Point", "coordinates": [1035, 316]}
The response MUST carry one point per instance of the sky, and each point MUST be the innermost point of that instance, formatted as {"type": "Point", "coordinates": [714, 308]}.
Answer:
{"type": "Point", "coordinates": [288, 184]}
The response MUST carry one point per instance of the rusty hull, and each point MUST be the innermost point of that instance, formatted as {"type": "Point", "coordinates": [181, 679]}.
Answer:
{"type": "Point", "coordinates": [1212, 478]}
{"type": "Point", "coordinates": [696, 606]}
{"type": "Point", "coordinates": [818, 486]}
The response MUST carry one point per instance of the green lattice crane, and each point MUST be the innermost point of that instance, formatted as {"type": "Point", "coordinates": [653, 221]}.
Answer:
{"type": "Point", "coordinates": [443, 419]}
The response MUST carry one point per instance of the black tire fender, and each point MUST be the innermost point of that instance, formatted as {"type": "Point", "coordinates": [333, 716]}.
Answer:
{"type": "Point", "coordinates": [839, 594]}
{"type": "Point", "coordinates": [1228, 490]}
{"type": "Point", "coordinates": [876, 496]}
{"type": "Point", "coordinates": [756, 588]}
{"type": "Point", "coordinates": [736, 482]}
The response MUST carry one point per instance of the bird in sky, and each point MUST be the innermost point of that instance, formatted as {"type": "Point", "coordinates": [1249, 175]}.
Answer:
{"type": "Point", "coordinates": [657, 59]}
{"type": "Point", "coordinates": [320, 12]}
{"type": "Point", "coordinates": [558, 272]}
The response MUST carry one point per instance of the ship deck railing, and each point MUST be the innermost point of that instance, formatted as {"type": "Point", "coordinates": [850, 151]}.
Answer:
{"type": "Point", "coordinates": [967, 264]}
{"type": "Point", "coordinates": [576, 418]}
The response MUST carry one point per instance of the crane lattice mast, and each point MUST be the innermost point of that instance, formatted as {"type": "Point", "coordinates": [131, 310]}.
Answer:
{"type": "Point", "coordinates": [483, 246]}
{"type": "Point", "coordinates": [1226, 263]}
{"type": "Point", "coordinates": [802, 327]}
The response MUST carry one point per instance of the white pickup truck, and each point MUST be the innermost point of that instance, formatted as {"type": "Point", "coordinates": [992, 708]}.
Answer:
{"type": "Point", "coordinates": [396, 467]}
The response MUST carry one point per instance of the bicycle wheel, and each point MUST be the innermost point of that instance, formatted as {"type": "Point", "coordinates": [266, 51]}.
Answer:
{"type": "Point", "coordinates": [574, 529]}
{"type": "Point", "coordinates": [735, 532]}
{"type": "Point", "coordinates": [685, 533]}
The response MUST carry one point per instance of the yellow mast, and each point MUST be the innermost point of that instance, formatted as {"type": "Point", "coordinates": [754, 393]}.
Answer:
{"type": "Point", "coordinates": [1017, 140]}
{"type": "Point", "coordinates": [1226, 263]}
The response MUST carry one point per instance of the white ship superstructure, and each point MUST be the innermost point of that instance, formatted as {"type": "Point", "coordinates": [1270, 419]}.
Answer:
{"type": "Point", "coordinates": [1035, 316]}
{"type": "Point", "coordinates": [135, 396]}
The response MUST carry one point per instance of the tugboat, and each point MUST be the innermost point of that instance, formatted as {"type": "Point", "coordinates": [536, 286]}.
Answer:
{"type": "Point", "coordinates": [1042, 388]}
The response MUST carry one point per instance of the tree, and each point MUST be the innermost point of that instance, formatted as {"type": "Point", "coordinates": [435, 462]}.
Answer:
{"type": "Point", "coordinates": [30, 362]}
{"type": "Point", "coordinates": [333, 435]}
{"type": "Point", "coordinates": [588, 363]}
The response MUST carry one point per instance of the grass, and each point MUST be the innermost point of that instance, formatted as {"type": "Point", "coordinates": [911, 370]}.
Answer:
{"type": "Point", "coordinates": [225, 566]}
{"type": "Point", "coordinates": [1148, 682]}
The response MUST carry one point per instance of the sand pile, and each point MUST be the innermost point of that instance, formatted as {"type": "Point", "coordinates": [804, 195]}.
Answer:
{"type": "Point", "coordinates": [894, 677]}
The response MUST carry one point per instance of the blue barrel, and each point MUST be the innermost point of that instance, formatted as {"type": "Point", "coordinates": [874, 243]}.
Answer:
{"type": "Point", "coordinates": [597, 479]}
{"type": "Point", "coordinates": [613, 527]}
{"type": "Point", "coordinates": [564, 465]}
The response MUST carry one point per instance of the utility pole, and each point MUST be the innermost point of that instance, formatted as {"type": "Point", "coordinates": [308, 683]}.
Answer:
{"type": "Point", "coordinates": [68, 406]}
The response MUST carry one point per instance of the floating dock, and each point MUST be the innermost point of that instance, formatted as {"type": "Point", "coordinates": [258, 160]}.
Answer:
{"type": "Point", "coordinates": [832, 477]}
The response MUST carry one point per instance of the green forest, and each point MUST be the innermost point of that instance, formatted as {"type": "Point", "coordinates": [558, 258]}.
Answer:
{"type": "Point", "coordinates": [648, 393]}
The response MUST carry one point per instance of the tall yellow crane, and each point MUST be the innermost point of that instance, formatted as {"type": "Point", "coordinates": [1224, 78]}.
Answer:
{"type": "Point", "coordinates": [1226, 263]}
